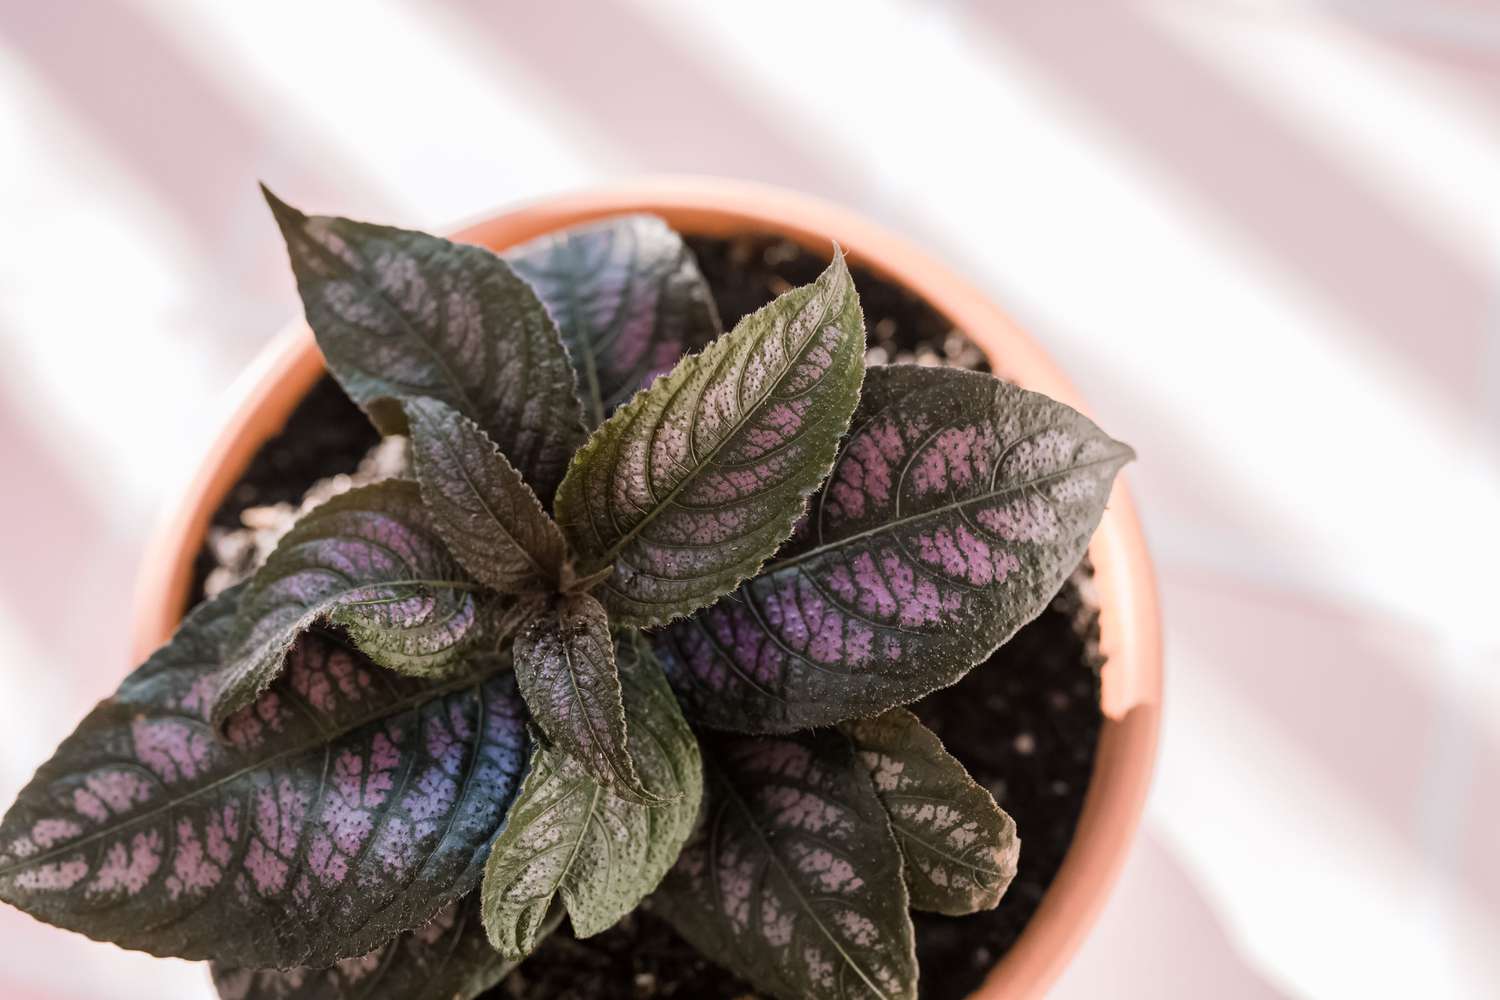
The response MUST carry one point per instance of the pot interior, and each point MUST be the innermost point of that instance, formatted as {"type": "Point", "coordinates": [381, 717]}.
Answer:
{"type": "Point", "coordinates": [1026, 723]}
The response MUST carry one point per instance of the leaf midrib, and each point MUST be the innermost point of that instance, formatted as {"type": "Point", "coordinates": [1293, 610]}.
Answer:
{"type": "Point", "coordinates": [590, 362]}
{"type": "Point", "coordinates": [505, 470]}
{"type": "Point", "coordinates": [777, 565]}
{"type": "Point", "coordinates": [906, 831]}
{"type": "Point", "coordinates": [596, 790]}
{"type": "Point", "coordinates": [605, 745]}
{"type": "Point", "coordinates": [775, 860]}
{"type": "Point", "coordinates": [406, 325]}
{"type": "Point", "coordinates": [475, 681]}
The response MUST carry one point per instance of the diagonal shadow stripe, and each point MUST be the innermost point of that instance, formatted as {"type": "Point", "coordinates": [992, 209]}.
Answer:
{"type": "Point", "coordinates": [1453, 35]}
{"type": "Point", "coordinates": [184, 137]}
{"type": "Point", "coordinates": [1160, 928]}
{"type": "Point", "coordinates": [1419, 302]}
{"type": "Point", "coordinates": [65, 570]}
{"type": "Point", "coordinates": [662, 105]}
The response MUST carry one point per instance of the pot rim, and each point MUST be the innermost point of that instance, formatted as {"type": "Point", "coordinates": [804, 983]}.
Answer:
{"type": "Point", "coordinates": [1130, 631]}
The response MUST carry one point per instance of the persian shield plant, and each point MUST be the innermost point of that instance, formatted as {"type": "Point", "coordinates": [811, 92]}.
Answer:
{"type": "Point", "coordinates": [635, 627]}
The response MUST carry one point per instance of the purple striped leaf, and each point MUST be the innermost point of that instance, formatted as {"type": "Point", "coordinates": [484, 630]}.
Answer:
{"type": "Point", "coordinates": [573, 838]}
{"type": "Point", "coordinates": [960, 849]}
{"type": "Point", "coordinates": [793, 879]}
{"type": "Point", "coordinates": [347, 805]}
{"type": "Point", "coordinates": [447, 958]}
{"type": "Point", "coordinates": [368, 561]}
{"type": "Point", "coordinates": [400, 314]}
{"type": "Point", "coordinates": [479, 503]}
{"type": "Point", "coordinates": [565, 665]}
{"type": "Point", "coordinates": [955, 511]}
{"type": "Point", "coordinates": [627, 295]}
{"type": "Point", "coordinates": [691, 485]}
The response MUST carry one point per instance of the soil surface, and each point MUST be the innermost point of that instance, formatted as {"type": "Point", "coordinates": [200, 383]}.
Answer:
{"type": "Point", "coordinates": [1025, 723]}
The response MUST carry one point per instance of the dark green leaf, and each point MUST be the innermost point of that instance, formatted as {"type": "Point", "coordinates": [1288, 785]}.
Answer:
{"type": "Point", "coordinates": [957, 508]}
{"type": "Point", "coordinates": [368, 561]}
{"type": "Point", "coordinates": [960, 848]}
{"type": "Point", "coordinates": [569, 835]}
{"type": "Point", "coordinates": [486, 513]}
{"type": "Point", "coordinates": [447, 958]}
{"type": "Point", "coordinates": [691, 485]}
{"type": "Point", "coordinates": [793, 879]}
{"type": "Point", "coordinates": [400, 314]}
{"type": "Point", "coordinates": [628, 298]}
{"type": "Point", "coordinates": [349, 804]}
{"type": "Point", "coordinates": [565, 664]}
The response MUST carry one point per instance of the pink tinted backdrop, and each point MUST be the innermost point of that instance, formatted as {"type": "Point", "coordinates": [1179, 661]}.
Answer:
{"type": "Point", "coordinates": [1261, 235]}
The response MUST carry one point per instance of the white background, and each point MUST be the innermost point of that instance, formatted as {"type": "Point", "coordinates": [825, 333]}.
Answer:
{"type": "Point", "coordinates": [1261, 236]}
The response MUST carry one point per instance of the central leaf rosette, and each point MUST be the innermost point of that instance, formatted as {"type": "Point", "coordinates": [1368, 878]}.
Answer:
{"type": "Point", "coordinates": [695, 482]}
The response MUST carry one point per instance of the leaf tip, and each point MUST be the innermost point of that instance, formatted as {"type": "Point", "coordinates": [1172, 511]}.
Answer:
{"type": "Point", "coordinates": [1118, 454]}
{"type": "Point", "coordinates": [284, 214]}
{"type": "Point", "coordinates": [839, 264]}
{"type": "Point", "coordinates": [838, 284]}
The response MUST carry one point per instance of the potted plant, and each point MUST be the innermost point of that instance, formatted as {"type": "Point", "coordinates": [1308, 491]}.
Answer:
{"type": "Point", "coordinates": [632, 624]}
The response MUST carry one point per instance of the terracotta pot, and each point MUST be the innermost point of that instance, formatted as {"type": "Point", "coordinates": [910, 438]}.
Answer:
{"type": "Point", "coordinates": [1130, 632]}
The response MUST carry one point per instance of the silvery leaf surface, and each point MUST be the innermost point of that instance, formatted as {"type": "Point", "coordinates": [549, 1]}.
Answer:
{"type": "Point", "coordinates": [369, 561]}
{"type": "Point", "coordinates": [685, 490]}
{"type": "Point", "coordinates": [960, 848]}
{"type": "Point", "coordinates": [347, 805]}
{"type": "Point", "coordinates": [565, 664]}
{"type": "Point", "coordinates": [956, 509]}
{"type": "Point", "coordinates": [447, 958]}
{"type": "Point", "coordinates": [628, 298]}
{"type": "Point", "coordinates": [400, 314]}
{"type": "Point", "coordinates": [793, 878]}
{"type": "Point", "coordinates": [492, 521]}
{"type": "Point", "coordinates": [572, 837]}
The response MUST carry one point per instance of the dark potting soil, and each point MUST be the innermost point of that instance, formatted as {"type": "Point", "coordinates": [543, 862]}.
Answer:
{"type": "Point", "coordinates": [1025, 723]}
{"type": "Point", "coordinates": [326, 434]}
